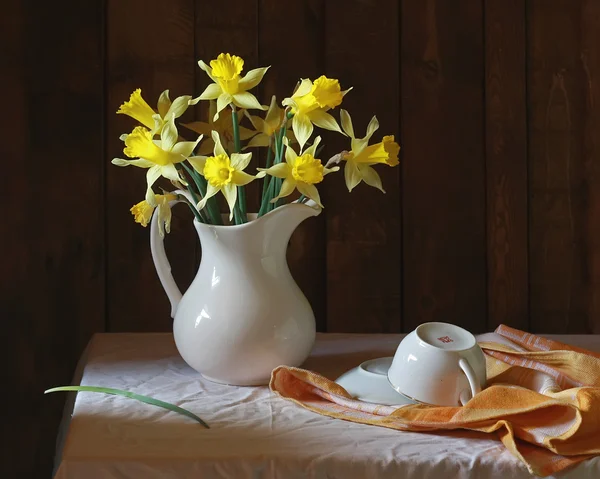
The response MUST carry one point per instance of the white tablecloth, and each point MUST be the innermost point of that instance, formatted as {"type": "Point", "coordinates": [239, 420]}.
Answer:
{"type": "Point", "coordinates": [255, 434]}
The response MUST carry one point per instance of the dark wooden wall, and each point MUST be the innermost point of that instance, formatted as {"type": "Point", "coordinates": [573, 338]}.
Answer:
{"type": "Point", "coordinates": [492, 217]}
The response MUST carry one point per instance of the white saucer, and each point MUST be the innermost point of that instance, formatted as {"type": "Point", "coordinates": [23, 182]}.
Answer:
{"type": "Point", "coordinates": [368, 382]}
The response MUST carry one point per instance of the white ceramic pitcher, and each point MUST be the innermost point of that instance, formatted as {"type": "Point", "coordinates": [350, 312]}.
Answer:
{"type": "Point", "coordinates": [243, 315]}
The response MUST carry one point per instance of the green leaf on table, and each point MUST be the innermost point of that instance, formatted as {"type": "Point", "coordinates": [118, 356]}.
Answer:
{"type": "Point", "coordinates": [128, 394]}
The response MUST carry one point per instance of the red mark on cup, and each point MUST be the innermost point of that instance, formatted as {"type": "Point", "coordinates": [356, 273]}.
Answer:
{"type": "Point", "coordinates": [446, 339]}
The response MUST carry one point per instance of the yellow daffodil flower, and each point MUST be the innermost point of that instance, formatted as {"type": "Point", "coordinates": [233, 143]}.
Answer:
{"type": "Point", "coordinates": [159, 156]}
{"type": "Point", "coordinates": [269, 126]}
{"type": "Point", "coordinates": [300, 172]}
{"type": "Point", "coordinates": [142, 212]}
{"type": "Point", "coordinates": [223, 173]}
{"type": "Point", "coordinates": [223, 125]}
{"type": "Point", "coordinates": [139, 110]}
{"type": "Point", "coordinates": [229, 87]}
{"type": "Point", "coordinates": [360, 159]}
{"type": "Point", "coordinates": [310, 103]}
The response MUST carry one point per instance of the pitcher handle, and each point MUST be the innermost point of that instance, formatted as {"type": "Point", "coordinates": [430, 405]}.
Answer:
{"type": "Point", "coordinates": [473, 381]}
{"type": "Point", "coordinates": [161, 262]}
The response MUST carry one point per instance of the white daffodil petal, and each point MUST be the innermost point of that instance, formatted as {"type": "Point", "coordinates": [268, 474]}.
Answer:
{"type": "Point", "coordinates": [198, 127]}
{"type": "Point", "coordinates": [222, 102]}
{"type": "Point", "coordinates": [240, 161]}
{"type": "Point", "coordinates": [140, 163]}
{"type": "Point", "coordinates": [310, 191]}
{"type": "Point", "coordinates": [207, 69]}
{"type": "Point", "coordinates": [259, 140]}
{"type": "Point", "coordinates": [179, 106]}
{"type": "Point", "coordinates": [290, 155]}
{"type": "Point", "coordinates": [304, 88]}
{"type": "Point", "coordinates": [252, 78]}
{"type": "Point", "coordinates": [206, 148]}
{"type": "Point", "coordinates": [289, 102]}
{"type": "Point", "coordinates": [198, 163]}
{"type": "Point", "coordinates": [186, 148]}
{"type": "Point", "coordinates": [150, 197]}
{"type": "Point", "coordinates": [324, 120]}
{"type": "Point", "coordinates": [168, 135]}
{"type": "Point", "coordinates": [164, 216]}
{"type": "Point", "coordinates": [351, 175]}
{"type": "Point", "coordinates": [257, 122]}
{"type": "Point", "coordinates": [372, 127]}
{"type": "Point", "coordinates": [211, 92]}
{"type": "Point", "coordinates": [326, 170]}
{"type": "Point", "coordinates": [371, 177]}
{"type": "Point", "coordinates": [280, 170]}
{"type": "Point", "coordinates": [241, 178]}
{"type": "Point", "coordinates": [346, 122]}
{"type": "Point", "coordinates": [303, 128]}
{"type": "Point", "coordinates": [164, 103]}
{"type": "Point", "coordinates": [273, 112]}
{"type": "Point", "coordinates": [246, 133]}
{"type": "Point", "coordinates": [247, 100]}
{"type": "Point", "coordinates": [170, 172]}
{"type": "Point", "coordinates": [152, 175]}
{"type": "Point", "coordinates": [210, 192]}
{"type": "Point", "coordinates": [230, 194]}
{"type": "Point", "coordinates": [313, 148]}
{"type": "Point", "coordinates": [219, 150]}
{"type": "Point", "coordinates": [287, 188]}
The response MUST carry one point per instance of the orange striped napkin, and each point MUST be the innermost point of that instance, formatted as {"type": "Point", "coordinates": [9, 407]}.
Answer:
{"type": "Point", "coordinates": [542, 399]}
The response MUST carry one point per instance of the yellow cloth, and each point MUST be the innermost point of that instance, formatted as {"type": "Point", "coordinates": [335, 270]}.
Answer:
{"type": "Point", "coordinates": [542, 399]}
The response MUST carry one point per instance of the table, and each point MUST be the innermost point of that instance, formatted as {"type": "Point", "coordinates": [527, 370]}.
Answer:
{"type": "Point", "coordinates": [254, 434]}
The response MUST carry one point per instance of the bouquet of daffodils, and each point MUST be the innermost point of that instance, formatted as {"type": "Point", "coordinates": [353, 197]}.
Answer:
{"type": "Point", "coordinates": [215, 162]}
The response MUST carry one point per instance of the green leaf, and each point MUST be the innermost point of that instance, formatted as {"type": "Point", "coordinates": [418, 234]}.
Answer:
{"type": "Point", "coordinates": [127, 394]}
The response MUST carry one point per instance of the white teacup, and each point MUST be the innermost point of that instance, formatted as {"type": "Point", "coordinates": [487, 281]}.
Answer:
{"type": "Point", "coordinates": [439, 364]}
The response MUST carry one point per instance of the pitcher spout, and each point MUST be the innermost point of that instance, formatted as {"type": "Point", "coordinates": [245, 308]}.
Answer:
{"type": "Point", "coordinates": [287, 218]}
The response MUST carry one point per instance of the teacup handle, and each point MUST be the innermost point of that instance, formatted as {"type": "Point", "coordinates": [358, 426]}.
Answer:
{"type": "Point", "coordinates": [473, 381]}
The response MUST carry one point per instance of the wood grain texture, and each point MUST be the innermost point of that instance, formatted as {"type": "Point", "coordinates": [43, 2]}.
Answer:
{"type": "Point", "coordinates": [590, 60]}
{"type": "Point", "coordinates": [558, 186]}
{"type": "Point", "coordinates": [491, 218]}
{"type": "Point", "coordinates": [444, 257]}
{"type": "Point", "coordinates": [154, 53]}
{"type": "Point", "coordinates": [52, 286]}
{"type": "Point", "coordinates": [506, 163]}
{"type": "Point", "coordinates": [363, 227]}
{"type": "Point", "coordinates": [306, 252]}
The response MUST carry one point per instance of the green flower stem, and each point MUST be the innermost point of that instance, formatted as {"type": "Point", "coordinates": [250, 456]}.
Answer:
{"type": "Point", "coordinates": [265, 198]}
{"type": "Point", "coordinates": [240, 204]}
{"type": "Point", "coordinates": [200, 216]}
{"type": "Point", "coordinates": [277, 182]}
{"type": "Point", "coordinates": [127, 394]}
{"type": "Point", "coordinates": [211, 204]}
{"type": "Point", "coordinates": [267, 166]}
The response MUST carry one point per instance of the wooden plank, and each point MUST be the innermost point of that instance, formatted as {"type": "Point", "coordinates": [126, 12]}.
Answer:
{"type": "Point", "coordinates": [155, 54]}
{"type": "Point", "coordinates": [506, 163]}
{"type": "Point", "coordinates": [558, 184]}
{"type": "Point", "coordinates": [306, 253]}
{"type": "Point", "coordinates": [444, 258]}
{"type": "Point", "coordinates": [590, 58]}
{"type": "Point", "coordinates": [234, 32]}
{"type": "Point", "coordinates": [363, 227]}
{"type": "Point", "coordinates": [52, 284]}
